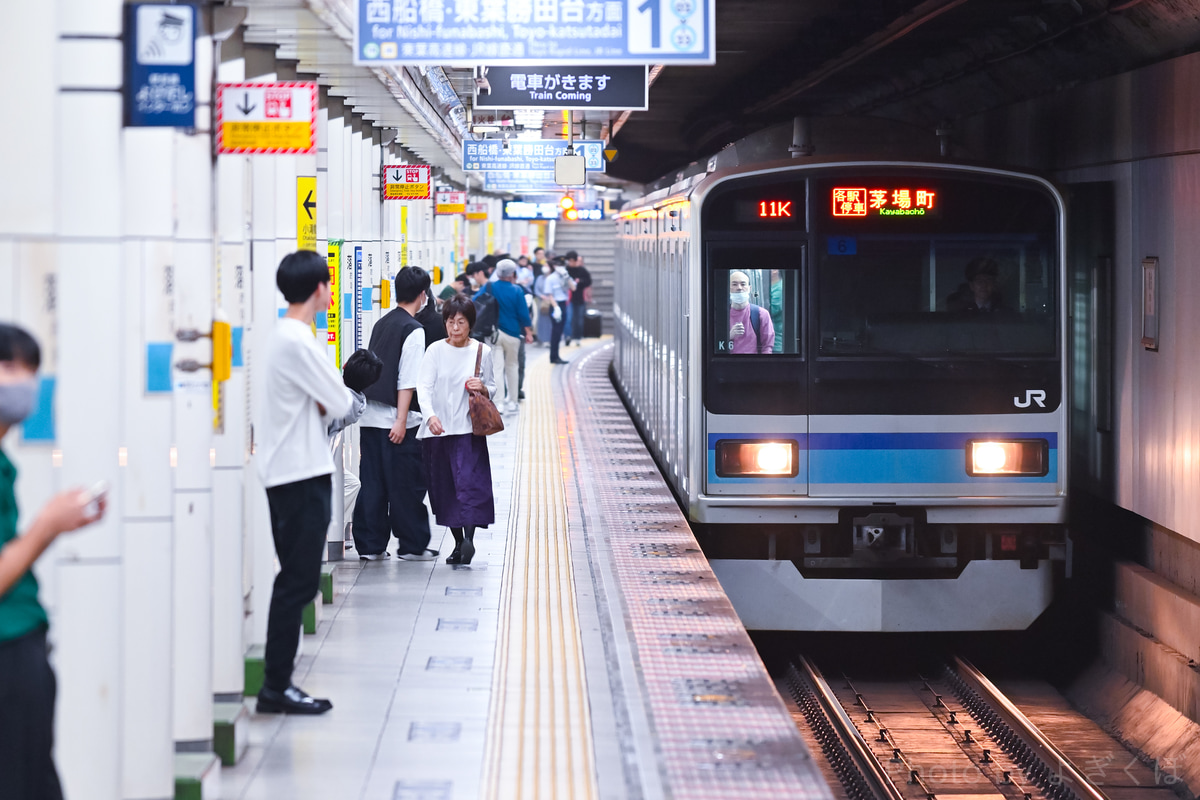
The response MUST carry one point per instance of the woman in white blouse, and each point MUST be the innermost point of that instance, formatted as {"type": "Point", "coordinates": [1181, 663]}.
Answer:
{"type": "Point", "coordinates": [457, 469]}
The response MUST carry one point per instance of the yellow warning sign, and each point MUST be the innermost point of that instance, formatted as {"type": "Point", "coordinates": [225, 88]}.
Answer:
{"type": "Point", "coordinates": [403, 182]}
{"type": "Point", "coordinates": [610, 154]}
{"type": "Point", "coordinates": [333, 324]}
{"type": "Point", "coordinates": [306, 214]}
{"type": "Point", "coordinates": [263, 137]}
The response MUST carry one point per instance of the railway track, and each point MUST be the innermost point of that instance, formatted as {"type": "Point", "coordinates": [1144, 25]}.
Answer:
{"type": "Point", "coordinates": [951, 731]}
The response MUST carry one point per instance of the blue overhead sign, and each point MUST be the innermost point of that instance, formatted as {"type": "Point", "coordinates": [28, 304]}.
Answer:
{"type": "Point", "coordinates": [521, 182]}
{"type": "Point", "coordinates": [543, 32]}
{"type": "Point", "coordinates": [534, 155]}
{"type": "Point", "coordinates": [160, 65]}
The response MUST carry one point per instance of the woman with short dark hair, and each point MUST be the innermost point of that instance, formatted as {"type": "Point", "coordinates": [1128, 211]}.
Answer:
{"type": "Point", "coordinates": [457, 468]}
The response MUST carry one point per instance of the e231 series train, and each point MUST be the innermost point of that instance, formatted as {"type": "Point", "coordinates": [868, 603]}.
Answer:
{"type": "Point", "coordinates": [853, 375]}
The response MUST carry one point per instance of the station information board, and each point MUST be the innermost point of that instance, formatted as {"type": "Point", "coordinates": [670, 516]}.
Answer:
{"type": "Point", "coordinates": [528, 156]}
{"type": "Point", "coordinates": [465, 33]}
{"type": "Point", "coordinates": [446, 202]}
{"type": "Point", "coordinates": [611, 88]}
{"type": "Point", "coordinates": [539, 182]}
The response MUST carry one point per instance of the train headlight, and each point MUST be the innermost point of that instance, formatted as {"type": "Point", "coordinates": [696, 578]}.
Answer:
{"type": "Point", "coordinates": [755, 459]}
{"type": "Point", "coordinates": [1014, 457]}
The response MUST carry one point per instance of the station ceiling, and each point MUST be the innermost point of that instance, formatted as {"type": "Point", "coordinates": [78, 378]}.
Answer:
{"type": "Point", "coordinates": [926, 64]}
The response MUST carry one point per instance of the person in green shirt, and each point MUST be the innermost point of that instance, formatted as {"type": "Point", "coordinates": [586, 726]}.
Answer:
{"type": "Point", "coordinates": [776, 309]}
{"type": "Point", "coordinates": [27, 685]}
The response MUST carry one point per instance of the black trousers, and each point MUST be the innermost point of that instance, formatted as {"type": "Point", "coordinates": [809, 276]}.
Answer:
{"type": "Point", "coordinates": [27, 689]}
{"type": "Point", "coordinates": [392, 498]}
{"type": "Point", "coordinates": [521, 367]}
{"type": "Point", "coordinates": [578, 315]}
{"type": "Point", "coordinates": [300, 514]}
{"type": "Point", "coordinates": [556, 334]}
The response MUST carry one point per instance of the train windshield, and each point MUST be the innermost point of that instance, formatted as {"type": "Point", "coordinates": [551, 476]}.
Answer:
{"type": "Point", "coordinates": [975, 274]}
{"type": "Point", "coordinates": [757, 302]}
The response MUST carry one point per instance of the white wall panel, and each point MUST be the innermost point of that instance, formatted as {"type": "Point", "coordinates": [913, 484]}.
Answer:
{"type": "Point", "coordinates": [27, 143]}
{"type": "Point", "coordinates": [88, 141]}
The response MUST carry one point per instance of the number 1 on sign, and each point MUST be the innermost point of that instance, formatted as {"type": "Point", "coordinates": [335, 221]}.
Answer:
{"type": "Point", "coordinates": [655, 22]}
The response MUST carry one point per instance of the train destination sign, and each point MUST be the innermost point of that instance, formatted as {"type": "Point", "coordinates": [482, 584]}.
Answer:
{"type": "Point", "coordinates": [902, 201]}
{"type": "Point", "coordinates": [536, 155]}
{"type": "Point", "coordinates": [465, 33]}
{"type": "Point", "coordinates": [611, 88]}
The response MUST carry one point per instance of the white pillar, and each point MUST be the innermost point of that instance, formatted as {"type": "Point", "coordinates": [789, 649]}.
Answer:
{"type": "Point", "coordinates": [230, 526]}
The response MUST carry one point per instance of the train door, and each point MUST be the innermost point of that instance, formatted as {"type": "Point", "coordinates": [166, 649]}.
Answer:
{"type": "Point", "coordinates": [1091, 246]}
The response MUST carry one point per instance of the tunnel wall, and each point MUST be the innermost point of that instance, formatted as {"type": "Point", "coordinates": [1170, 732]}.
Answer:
{"type": "Point", "coordinates": [1141, 132]}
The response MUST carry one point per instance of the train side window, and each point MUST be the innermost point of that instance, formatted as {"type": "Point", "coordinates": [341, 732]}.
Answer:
{"type": "Point", "coordinates": [756, 310]}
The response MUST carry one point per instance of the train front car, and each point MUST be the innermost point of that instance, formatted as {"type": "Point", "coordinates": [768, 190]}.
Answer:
{"type": "Point", "coordinates": [878, 431]}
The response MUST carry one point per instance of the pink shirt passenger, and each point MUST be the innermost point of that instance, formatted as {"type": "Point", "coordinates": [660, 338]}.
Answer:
{"type": "Point", "coordinates": [747, 342]}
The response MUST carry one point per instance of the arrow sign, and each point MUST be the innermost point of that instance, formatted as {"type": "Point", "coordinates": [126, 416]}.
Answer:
{"type": "Point", "coordinates": [610, 154]}
{"type": "Point", "coordinates": [396, 176]}
{"type": "Point", "coordinates": [246, 107]}
{"type": "Point", "coordinates": [308, 205]}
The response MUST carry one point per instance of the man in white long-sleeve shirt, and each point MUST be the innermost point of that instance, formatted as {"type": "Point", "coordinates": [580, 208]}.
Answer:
{"type": "Point", "coordinates": [304, 392]}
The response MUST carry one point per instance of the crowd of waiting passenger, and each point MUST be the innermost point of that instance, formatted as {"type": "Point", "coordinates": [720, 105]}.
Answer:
{"type": "Point", "coordinates": [439, 374]}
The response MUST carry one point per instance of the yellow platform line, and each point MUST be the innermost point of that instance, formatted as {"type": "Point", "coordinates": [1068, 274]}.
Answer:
{"type": "Point", "coordinates": [539, 740]}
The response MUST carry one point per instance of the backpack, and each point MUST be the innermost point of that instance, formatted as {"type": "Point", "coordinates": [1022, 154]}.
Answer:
{"type": "Point", "coordinates": [754, 312]}
{"type": "Point", "coordinates": [487, 315]}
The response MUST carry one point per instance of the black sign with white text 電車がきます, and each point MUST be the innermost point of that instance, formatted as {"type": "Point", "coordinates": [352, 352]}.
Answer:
{"type": "Point", "coordinates": [612, 88]}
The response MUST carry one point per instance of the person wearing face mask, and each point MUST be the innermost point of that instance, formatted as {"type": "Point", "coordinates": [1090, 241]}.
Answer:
{"type": "Point", "coordinates": [750, 326]}
{"type": "Point", "coordinates": [431, 320]}
{"type": "Point", "coordinates": [392, 499]}
{"type": "Point", "coordinates": [27, 685]}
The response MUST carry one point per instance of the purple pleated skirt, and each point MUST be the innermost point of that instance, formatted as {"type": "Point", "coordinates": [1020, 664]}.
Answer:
{"type": "Point", "coordinates": [459, 476]}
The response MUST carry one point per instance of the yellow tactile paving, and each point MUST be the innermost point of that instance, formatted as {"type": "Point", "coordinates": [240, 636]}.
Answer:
{"type": "Point", "coordinates": [539, 731]}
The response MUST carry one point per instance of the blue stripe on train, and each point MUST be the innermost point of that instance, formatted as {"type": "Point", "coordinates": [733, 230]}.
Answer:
{"type": "Point", "coordinates": [898, 458]}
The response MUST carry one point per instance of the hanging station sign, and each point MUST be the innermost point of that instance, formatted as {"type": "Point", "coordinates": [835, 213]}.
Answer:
{"type": "Point", "coordinates": [267, 118]}
{"type": "Point", "coordinates": [535, 155]}
{"type": "Point", "coordinates": [446, 202]}
{"type": "Point", "coordinates": [477, 212]}
{"type": "Point", "coordinates": [464, 33]}
{"type": "Point", "coordinates": [160, 65]}
{"type": "Point", "coordinates": [405, 182]}
{"type": "Point", "coordinates": [612, 88]}
{"type": "Point", "coordinates": [523, 209]}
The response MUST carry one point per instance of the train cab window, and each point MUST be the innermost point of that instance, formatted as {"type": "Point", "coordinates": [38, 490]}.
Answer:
{"type": "Point", "coordinates": [756, 311]}
{"type": "Point", "coordinates": [754, 328]}
{"type": "Point", "coordinates": [924, 297]}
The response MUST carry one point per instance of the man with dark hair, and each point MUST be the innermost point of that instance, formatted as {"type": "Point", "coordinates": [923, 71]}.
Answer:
{"type": "Point", "coordinates": [577, 310]}
{"type": "Point", "coordinates": [477, 274]}
{"type": "Point", "coordinates": [392, 500]}
{"type": "Point", "coordinates": [981, 292]}
{"type": "Point", "coordinates": [304, 392]}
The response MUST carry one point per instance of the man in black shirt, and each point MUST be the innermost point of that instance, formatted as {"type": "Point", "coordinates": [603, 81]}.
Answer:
{"type": "Point", "coordinates": [577, 310]}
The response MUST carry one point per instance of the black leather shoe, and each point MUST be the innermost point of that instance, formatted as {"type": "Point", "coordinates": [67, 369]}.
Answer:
{"type": "Point", "coordinates": [558, 361]}
{"type": "Point", "coordinates": [456, 556]}
{"type": "Point", "coordinates": [292, 700]}
{"type": "Point", "coordinates": [468, 551]}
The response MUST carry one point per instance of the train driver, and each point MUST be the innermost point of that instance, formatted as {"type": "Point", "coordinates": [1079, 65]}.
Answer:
{"type": "Point", "coordinates": [750, 326]}
{"type": "Point", "coordinates": [981, 292]}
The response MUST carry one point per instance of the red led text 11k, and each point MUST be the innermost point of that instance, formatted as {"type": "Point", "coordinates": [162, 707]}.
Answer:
{"type": "Point", "coordinates": [775, 208]}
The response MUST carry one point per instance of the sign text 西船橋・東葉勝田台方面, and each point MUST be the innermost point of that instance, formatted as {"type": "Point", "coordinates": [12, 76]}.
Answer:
{"type": "Point", "coordinates": [611, 88]}
{"type": "Point", "coordinates": [535, 155]}
{"type": "Point", "coordinates": [464, 33]}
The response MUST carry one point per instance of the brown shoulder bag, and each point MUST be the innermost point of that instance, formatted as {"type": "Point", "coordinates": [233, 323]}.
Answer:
{"type": "Point", "coordinates": [485, 417]}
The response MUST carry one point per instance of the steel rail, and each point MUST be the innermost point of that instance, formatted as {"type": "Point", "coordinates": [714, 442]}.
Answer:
{"type": "Point", "coordinates": [866, 762]}
{"type": "Point", "coordinates": [1069, 777]}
